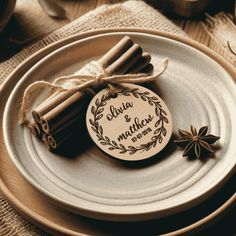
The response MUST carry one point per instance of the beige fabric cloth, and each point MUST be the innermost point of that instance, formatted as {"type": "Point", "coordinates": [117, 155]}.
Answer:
{"type": "Point", "coordinates": [128, 14]}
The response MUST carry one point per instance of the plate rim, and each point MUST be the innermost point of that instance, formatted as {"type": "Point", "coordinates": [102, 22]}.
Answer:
{"type": "Point", "coordinates": [153, 32]}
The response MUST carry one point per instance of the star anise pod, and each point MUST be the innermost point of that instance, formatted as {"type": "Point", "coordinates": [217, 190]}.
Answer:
{"type": "Point", "coordinates": [196, 142]}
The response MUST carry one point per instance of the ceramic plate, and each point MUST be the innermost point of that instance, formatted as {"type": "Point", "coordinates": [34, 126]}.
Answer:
{"type": "Point", "coordinates": [197, 91]}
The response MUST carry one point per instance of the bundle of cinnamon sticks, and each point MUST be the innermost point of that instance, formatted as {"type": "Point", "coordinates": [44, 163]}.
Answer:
{"type": "Point", "coordinates": [56, 118]}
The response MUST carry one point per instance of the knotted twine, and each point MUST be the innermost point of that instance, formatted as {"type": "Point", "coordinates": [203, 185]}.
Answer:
{"type": "Point", "coordinates": [90, 77]}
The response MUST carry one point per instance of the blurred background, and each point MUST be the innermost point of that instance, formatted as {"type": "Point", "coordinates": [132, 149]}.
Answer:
{"type": "Point", "coordinates": [31, 20]}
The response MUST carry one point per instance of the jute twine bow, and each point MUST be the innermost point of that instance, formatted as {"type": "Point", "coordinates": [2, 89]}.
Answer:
{"type": "Point", "coordinates": [90, 77]}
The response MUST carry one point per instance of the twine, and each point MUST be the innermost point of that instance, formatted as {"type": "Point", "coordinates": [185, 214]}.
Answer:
{"type": "Point", "coordinates": [90, 77]}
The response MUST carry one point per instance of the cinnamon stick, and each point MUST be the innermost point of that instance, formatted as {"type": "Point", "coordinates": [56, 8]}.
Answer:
{"type": "Point", "coordinates": [64, 112]}
{"type": "Point", "coordinates": [125, 61]}
{"type": "Point", "coordinates": [63, 108]}
{"type": "Point", "coordinates": [57, 138]}
{"type": "Point", "coordinates": [140, 64]}
{"type": "Point", "coordinates": [35, 129]}
{"type": "Point", "coordinates": [60, 112]}
{"type": "Point", "coordinates": [148, 69]}
{"type": "Point", "coordinates": [54, 142]}
{"type": "Point", "coordinates": [112, 55]}
{"type": "Point", "coordinates": [115, 52]}
{"type": "Point", "coordinates": [43, 108]}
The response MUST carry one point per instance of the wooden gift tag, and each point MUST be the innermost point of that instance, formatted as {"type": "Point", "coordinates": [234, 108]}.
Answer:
{"type": "Point", "coordinates": [134, 125]}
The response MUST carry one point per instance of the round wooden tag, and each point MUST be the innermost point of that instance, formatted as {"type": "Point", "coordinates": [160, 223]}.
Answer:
{"type": "Point", "coordinates": [134, 125]}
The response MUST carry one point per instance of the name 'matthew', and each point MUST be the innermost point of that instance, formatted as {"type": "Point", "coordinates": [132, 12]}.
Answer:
{"type": "Point", "coordinates": [137, 125]}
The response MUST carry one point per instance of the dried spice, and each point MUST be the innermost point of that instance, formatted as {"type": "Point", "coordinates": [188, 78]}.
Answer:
{"type": "Point", "coordinates": [196, 143]}
{"type": "Point", "coordinates": [59, 113]}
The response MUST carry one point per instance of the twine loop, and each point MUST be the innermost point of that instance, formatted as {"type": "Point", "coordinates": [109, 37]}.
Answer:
{"type": "Point", "coordinates": [88, 79]}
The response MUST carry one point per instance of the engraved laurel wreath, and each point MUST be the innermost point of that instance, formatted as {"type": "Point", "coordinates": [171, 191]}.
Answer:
{"type": "Point", "coordinates": [160, 131]}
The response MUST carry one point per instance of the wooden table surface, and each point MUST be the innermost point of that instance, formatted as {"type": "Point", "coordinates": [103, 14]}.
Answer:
{"type": "Point", "coordinates": [30, 23]}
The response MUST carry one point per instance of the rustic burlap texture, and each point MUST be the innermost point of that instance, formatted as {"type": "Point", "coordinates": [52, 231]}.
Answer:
{"type": "Point", "coordinates": [128, 14]}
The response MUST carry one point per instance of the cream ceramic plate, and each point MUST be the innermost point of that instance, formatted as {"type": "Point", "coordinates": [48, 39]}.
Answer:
{"type": "Point", "coordinates": [197, 91]}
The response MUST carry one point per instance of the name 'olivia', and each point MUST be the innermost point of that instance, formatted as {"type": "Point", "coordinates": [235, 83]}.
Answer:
{"type": "Point", "coordinates": [115, 112]}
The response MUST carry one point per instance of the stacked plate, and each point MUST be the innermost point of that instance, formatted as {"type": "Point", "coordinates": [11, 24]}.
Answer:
{"type": "Point", "coordinates": [83, 191]}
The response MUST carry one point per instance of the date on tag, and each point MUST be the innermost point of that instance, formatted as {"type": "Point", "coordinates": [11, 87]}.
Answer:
{"type": "Point", "coordinates": [135, 125]}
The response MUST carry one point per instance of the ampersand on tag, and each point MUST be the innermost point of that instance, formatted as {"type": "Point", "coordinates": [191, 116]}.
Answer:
{"type": "Point", "coordinates": [127, 118]}
{"type": "Point", "coordinates": [135, 125]}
